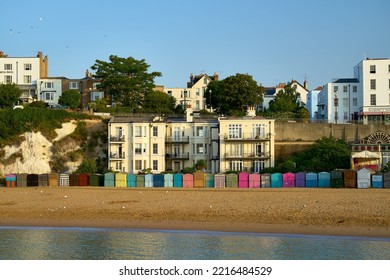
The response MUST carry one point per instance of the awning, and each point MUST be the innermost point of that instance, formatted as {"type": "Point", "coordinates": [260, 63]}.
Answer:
{"type": "Point", "coordinates": [366, 154]}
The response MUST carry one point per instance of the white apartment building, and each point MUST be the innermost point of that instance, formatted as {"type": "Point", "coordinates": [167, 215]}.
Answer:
{"type": "Point", "coordinates": [312, 101]}
{"type": "Point", "coordinates": [49, 90]}
{"type": "Point", "coordinates": [194, 94]}
{"type": "Point", "coordinates": [24, 72]}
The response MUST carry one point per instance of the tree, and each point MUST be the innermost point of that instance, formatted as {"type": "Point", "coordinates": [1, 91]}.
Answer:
{"type": "Point", "coordinates": [70, 98]}
{"type": "Point", "coordinates": [234, 93]}
{"type": "Point", "coordinates": [9, 95]}
{"type": "Point", "coordinates": [158, 102]}
{"type": "Point", "coordinates": [200, 164]}
{"type": "Point", "coordinates": [285, 101]}
{"type": "Point", "coordinates": [87, 166]}
{"type": "Point", "coordinates": [125, 79]}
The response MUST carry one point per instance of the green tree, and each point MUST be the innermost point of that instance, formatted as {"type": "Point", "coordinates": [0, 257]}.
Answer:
{"type": "Point", "coordinates": [70, 98]}
{"type": "Point", "coordinates": [234, 93]}
{"type": "Point", "coordinates": [158, 102]}
{"type": "Point", "coordinates": [9, 95]}
{"type": "Point", "coordinates": [87, 166]}
{"type": "Point", "coordinates": [200, 164]}
{"type": "Point", "coordinates": [326, 154]}
{"type": "Point", "coordinates": [285, 101]}
{"type": "Point", "coordinates": [125, 79]}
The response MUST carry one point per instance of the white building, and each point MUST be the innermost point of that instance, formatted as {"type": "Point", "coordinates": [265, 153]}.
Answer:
{"type": "Point", "coordinates": [49, 90]}
{"type": "Point", "coordinates": [312, 101]}
{"type": "Point", "coordinates": [24, 72]}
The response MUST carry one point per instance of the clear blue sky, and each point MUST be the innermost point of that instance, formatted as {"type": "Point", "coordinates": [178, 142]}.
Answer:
{"type": "Point", "coordinates": [274, 41]}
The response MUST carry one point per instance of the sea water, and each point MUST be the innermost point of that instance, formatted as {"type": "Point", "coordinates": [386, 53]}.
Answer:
{"type": "Point", "coordinates": [21, 243]}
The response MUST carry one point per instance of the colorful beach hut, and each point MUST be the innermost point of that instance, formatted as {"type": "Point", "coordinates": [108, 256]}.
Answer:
{"type": "Point", "coordinates": [109, 179]}
{"type": "Point", "coordinates": [265, 180]}
{"type": "Point", "coordinates": [120, 180]}
{"type": "Point", "coordinates": [386, 180]}
{"type": "Point", "coordinates": [21, 180]}
{"type": "Point", "coordinates": [43, 180]}
{"type": "Point", "coordinates": [311, 180]}
{"type": "Point", "coordinates": [199, 180]}
{"type": "Point", "coordinates": [254, 180]}
{"type": "Point", "coordinates": [32, 180]}
{"type": "Point", "coordinates": [336, 179]}
{"type": "Point", "coordinates": [140, 181]}
{"type": "Point", "coordinates": [209, 180]}
{"type": "Point", "coordinates": [74, 180]}
{"type": "Point", "coordinates": [188, 180]}
{"type": "Point", "coordinates": [300, 179]}
{"type": "Point", "coordinates": [363, 177]}
{"type": "Point", "coordinates": [10, 180]}
{"type": "Point", "coordinates": [377, 180]}
{"type": "Point", "coordinates": [177, 180]}
{"type": "Point", "coordinates": [158, 180]}
{"type": "Point", "coordinates": [232, 180]}
{"type": "Point", "coordinates": [64, 180]}
{"type": "Point", "coordinates": [276, 180]}
{"type": "Point", "coordinates": [131, 180]}
{"type": "Point", "coordinates": [84, 180]}
{"type": "Point", "coordinates": [288, 180]}
{"type": "Point", "coordinates": [243, 180]}
{"type": "Point", "coordinates": [96, 180]}
{"type": "Point", "coordinates": [148, 180]}
{"type": "Point", "coordinates": [53, 179]}
{"type": "Point", "coordinates": [324, 179]}
{"type": "Point", "coordinates": [168, 180]}
{"type": "Point", "coordinates": [350, 179]}
{"type": "Point", "coordinates": [219, 180]}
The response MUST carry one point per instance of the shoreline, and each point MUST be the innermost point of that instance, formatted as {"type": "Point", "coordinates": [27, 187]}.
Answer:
{"type": "Point", "coordinates": [303, 211]}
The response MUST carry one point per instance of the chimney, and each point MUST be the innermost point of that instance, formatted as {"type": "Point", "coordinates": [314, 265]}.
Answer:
{"type": "Point", "coordinates": [87, 73]}
{"type": "Point", "coordinates": [251, 112]}
{"type": "Point", "coordinates": [189, 114]}
{"type": "Point", "coordinates": [215, 76]}
{"type": "Point", "coordinates": [306, 85]}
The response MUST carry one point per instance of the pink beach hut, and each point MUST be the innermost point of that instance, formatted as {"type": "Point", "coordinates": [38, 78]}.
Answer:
{"type": "Point", "coordinates": [243, 180]}
{"type": "Point", "coordinates": [254, 180]}
{"type": "Point", "coordinates": [188, 181]}
{"type": "Point", "coordinates": [288, 180]}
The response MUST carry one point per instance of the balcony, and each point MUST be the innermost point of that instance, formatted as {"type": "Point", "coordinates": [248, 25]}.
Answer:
{"type": "Point", "coordinates": [182, 140]}
{"type": "Point", "coordinates": [116, 156]}
{"type": "Point", "coordinates": [246, 137]}
{"type": "Point", "coordinates": [247, 156]}
{"type": "Point", "coordinates": [177, 156]}
{"type": "Point", "coordinates": [117, 138]}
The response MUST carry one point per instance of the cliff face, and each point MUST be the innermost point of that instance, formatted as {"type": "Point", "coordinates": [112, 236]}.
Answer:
{"type": "Point", "coordinates": [36, 154]}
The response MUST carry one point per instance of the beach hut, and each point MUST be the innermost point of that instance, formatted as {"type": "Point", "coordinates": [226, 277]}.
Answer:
{"type": "Point", "coordinates": [83, 180]}
{"type": "Point", "coordinates": [209, 180]}
{"type": "Point", "coordinates": [131, 180]}
{"type": "Point", "coordinates": [377, 180]}
{"type": "Point", "coordinates": [43, 180]}
{"type": "Point", "coordinates": [300, 179]}
{"type": "Point", "coordinates": [109, 179]}
{"type": "Point", "coordinates": [168, 180]}
{"type": "Point", "coordinates": [350, 179]}
{"type": "Point", "coordinates": [276, 180]}
{"type": "Point", "coordinates": [96, 180]}
{"type": "Point", "coordinates": [265, 180]}
{"type": "Point", "coordinates": [120, 180]}
{"type": "Point", "coordinates": [149, 180]}
{"type": "Point", "coordinates": [254, 180]}
{"type": "Point", "coordinates": [10, 180]}
{"type": "Point", "coordinates": [363, 177]}
{"type": "Point", "coordinates": [288, 180]}
{"type": "Point", "coordinates": [188, 180]}
{"type": "Point", "coordinates": [21, 180]}
{"type": "Point", "coordinates": [199, 180]}
{"type": "Point", "coordinates": [386, 180]}
{"type": "Point", "coordinates": [219, 180]}
{"type": "Point", "coordinates": [324, 179]}
{"type": "Point", "coordinates": [243, 180]}
{"type": "Point", "coordinates": [140, 181]}
{"type": "Point", "coordinates": [177, 180]}
{"type": "Point", "coordinates": [32, 180]}
{"type": "Point", "coordinates": [64, 180]}
{"type": "Point", "coordinates": [232, 180]}
{"type": "Point", "coordinates": [74, 179]}
{"type": "Point", "coordinates": [311, 180]}
{"type": "Point", "coordinates": [53, 179]}
{"type": "Point", "coordinates": [158, 180]}
{"type": "Point", "coordinates": [336, 179]}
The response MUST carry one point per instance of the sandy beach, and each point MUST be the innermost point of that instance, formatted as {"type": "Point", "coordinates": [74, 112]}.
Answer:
{"type": "Point", "coordinates": [350, 212]}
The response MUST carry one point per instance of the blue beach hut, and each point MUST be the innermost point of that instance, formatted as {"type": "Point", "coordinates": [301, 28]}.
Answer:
{"type": "Point", "coordinates": [377, 180]}
{"type": "Point", "coordinates": [311, 180]}
{"type": "Point", "coordinates": [300, 179]}
{"type": "Point", "coordinates": [131, 180]}
{"type": "Point", "coordinates": [109, 179]}
{"type": "Point", "coordinates": [149, 180]}
{"type": "Point", "coordinates": [168, 180]}
{"type": "Point", "coordinates": [324, 179]}
{"type": "Point", "coordinates": [178, 180]}
{"type": "Point", "coordinates": [158, 180]}
{"type": "Point", "coordinates": [209, 180]}
{"type": "Point", "coordinates": [276, 180]}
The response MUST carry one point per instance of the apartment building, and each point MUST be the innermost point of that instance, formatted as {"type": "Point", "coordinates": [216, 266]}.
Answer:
{"type": "Point", "coordinates": [24, 72]}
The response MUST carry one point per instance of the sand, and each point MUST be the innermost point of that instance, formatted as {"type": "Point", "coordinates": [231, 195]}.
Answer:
{"type": "Point", "coordinates": [348, 212]}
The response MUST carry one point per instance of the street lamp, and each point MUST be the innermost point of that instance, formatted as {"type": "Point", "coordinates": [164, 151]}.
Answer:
{"type": "Point", "coordinates": [211, 108]}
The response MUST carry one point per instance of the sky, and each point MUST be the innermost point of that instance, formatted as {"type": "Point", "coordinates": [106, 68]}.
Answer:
{"type": "Point", "coordinates": [273, 41]}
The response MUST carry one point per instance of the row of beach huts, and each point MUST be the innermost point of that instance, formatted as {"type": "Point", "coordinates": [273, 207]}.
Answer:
{"type": "Point", "coordinates": [363, 178]}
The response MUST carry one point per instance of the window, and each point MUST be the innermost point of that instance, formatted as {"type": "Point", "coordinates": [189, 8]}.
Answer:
{"type": "Point", "coordinates": [197, 91]}
{"type": "Point", "coordinates": [155, 149]}
{"type": "Point", "coordinates": [235, 165]}
{"type": "Point", "coordinates": [95, 85]}
{"type": "Point", "coordinates": [345, 115]}
{"type": "Point", "coordinates": [258, 131]}
{"type": "Point", "coordinates": [372, 69]}
{"type": "Point", "coordinates": [345, 88]}
{"type": "Point", "coordinates": [199, 131]}
{"type": "Point", "coordinates": [197, 105]}
{"type": "Point", "coordinates": [235, 131]}
{"type": "Point", "coordinates": [27, 79]}
{"type": "Point", "coordinates": [138, 165]}
{"type": "Point", "coordinates": [155, 164]}
{"type": "Point", "coordinates": [8, 67]}
{"type": "Point", "coordinates": [235, 150]}
{"type": "Point", "coordinates": [27, 66]}
{"type": "Point", "coordinates": [257, 166]}
{"type": "Point", "coordinates": [96, 95]}
{"type": "Point", "coordinates": [48, 95]}
{"type": "Point", "coordinates": [155, 131]}
{"type": "Point", "coordinates": [199, 149]}
{"type": "Point", "coordinates": [138, 148]}
{"type": "Point", "coordinates": [389, 83]}
{"type": "Point", "coordinates": [8, 79]}
{"type": "Point", "coordinates": [336, 89]}
{"type": "Point", "coordinates": [372, 84]}
{"type": "Point", "coordinates": [49, 85]}
{"type": "Point", "coordinates": [73, 85]}
{"type": "Point", "coordinates": [373, 99]}
{"type": "Point", "coordinates": [354, 89]}
{"type": "Point", "coordinates": [354, 102]}
{"type": "Point", "coordinates": [138, 131]}
{"type": "Point", "coordinates": [345, 102]}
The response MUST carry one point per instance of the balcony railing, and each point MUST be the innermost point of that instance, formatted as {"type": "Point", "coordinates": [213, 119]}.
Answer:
{"type": "Point", "coordinates": [117, 138]}
{"type": "Point", "coordinates": [177, 156]}
{"type": "Point", "coordinates": [247, 155]}
{"type": "Point", "coordinates": [181, 139]}
{"type": "Point", "coordinates": [246, 137]}
{"type": "Point", "coordinates": [117, 155]}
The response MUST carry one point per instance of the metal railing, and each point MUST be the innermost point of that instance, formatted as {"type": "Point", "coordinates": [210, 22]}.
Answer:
{"type": "Point", "coordinates": [181, 139]}
{"type": "Point", "coordinates": [245, 136]}
{"type": "Point", "coordinates": [247, 155]}
{"type": "Point", "coordinates": [117, 155]}
{"type": "Point", "coordinates": [117, 138]}
{"type": "Point", "coordinates": [178, 156]}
